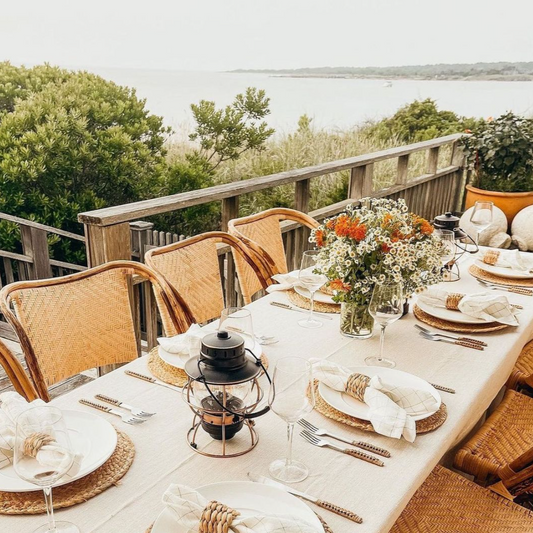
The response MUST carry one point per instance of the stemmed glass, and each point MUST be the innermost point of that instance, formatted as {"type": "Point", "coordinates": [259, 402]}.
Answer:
{"type": "Point", "coordinates": [288, 398]}
{"type": "Point", "coordinates": [386, 306]}
{"type": "Point", "coordinates": [32, 426]}
{"type": "Point", "coordinates": [481, 217]}
{"type": "Point", "coordinates": [312, 281]}
{"type": "Point", "coordinates": [237, 319]}
{"type": "Point", "coordinates": [448, 248]}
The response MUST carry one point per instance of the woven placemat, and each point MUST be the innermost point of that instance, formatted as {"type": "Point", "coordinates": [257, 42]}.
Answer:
{"type": "Point", "coordinates": [422, 426]}
{"type": "Point", "coordinates": [479, 273]}
{"type": "Point", "coordinates": [455, 326]}
{"type": "Point", "coordinates": [78, 491]}
{"type": "Point", "coordinates": [172, 375]}
{"type": "Point", "coordinates": [305, 303]}
{"type": "Point", "coordinates": [327, 529]}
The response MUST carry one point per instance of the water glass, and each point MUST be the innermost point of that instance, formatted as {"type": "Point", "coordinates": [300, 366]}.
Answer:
{"type": "Point", "coordinates": [289, 399]}
{"type": "Point", "coordinates": [386, 306]}
{"type": "Point", "coordinates": [312, 280]}
{"type": "Point", "coordinates": [32, 427]}
{"type": "Point", "coordinates": [481, 217]}
{"type": "Point", "coordinates": [447, 250]}
{"type": "Point", "coordinates": [238, 320]}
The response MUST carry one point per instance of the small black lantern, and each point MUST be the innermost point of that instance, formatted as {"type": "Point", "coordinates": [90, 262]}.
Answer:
{"type": "Point", "coordinates": [223, 392]}
{"type": "Point", "coordinates": [450, 222]}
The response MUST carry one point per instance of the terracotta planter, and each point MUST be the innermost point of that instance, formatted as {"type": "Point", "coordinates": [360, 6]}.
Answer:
{"type": "Point", "coordinates": [509, 202]}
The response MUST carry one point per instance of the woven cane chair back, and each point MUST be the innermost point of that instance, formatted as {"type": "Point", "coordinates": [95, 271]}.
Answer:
{"type": "Point", "coordinates": [448, 503]}
{"type": "Point", "coordinates": [261, 233]}
{"type": "Point", "coordinates": [15, 373]}
{"type": "Point", "coordinates": [70, 324]}
{"type": "Point", "coordinates": [191, 267]}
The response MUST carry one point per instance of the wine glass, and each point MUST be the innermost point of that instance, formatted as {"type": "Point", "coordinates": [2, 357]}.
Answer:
{"type": "Point", "coordinates": [33, 426]}
{"type": "Point", "coordinates": [312, 281]}
{"type": "Point", "coordinates": [288, 398]}
{"type": "Point", "coordinates": [386, 306]}
{"type": "Point", "coordinates": [447, 250]}
{"type": "Point", "coordinates": [481, 217]}
{"type": "Point", "coordinates": [237, 319]}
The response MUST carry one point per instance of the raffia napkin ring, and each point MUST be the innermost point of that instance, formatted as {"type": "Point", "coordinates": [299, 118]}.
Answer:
{"type": "Point", "coordinates": [216, 518]}
{"type": "Point", "coordinates": [356, 386]}
{"type": "Point", "coordinates": [452, 300]}
{"type": "Point", "coordinates": [491, 257]}
{"type": "Point", "coordinates": [34, 442]}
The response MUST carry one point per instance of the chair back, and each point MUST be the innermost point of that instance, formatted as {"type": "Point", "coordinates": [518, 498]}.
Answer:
{"type": "Point", "coordinates": [192, 268]}
{"type": "Point", "coordinates": [261, 233]}
{"type": "Point", "coordinates": [82, 321]}
{"type": "Point", "coordinates": [16, 374]}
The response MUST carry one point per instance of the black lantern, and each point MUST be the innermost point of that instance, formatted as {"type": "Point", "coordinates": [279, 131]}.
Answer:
{"type": "Point", "coordinates": [450, 222]}
{"type": "Point", "coordinates": [223, 392]}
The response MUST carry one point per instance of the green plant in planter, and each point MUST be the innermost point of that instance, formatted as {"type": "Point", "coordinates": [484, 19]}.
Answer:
{"type": "Point", "coordinates": [501, 154]}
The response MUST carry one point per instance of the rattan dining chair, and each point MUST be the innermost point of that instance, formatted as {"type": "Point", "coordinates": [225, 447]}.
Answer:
{"type": "Point", "coordinates": [15, 372]}
{"type": "Point", "coordinates": [503, 445]}
{"type": "Point", "coordinates": [522, 374]}
{"type": "Point", "coordinates": [192, 269]}
{"type": "Point", "coordinates": [261, 233]}
{"type": "Point", "coordinates": [81, 321]}
{"type": "Point", "coordinates": [448, 503]}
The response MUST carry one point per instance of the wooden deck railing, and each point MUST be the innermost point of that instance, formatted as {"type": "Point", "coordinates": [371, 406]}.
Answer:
{"type": "Point", "coordinates": [117, 233]}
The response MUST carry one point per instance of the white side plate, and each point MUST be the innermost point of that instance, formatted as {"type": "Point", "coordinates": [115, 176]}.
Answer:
{"type": "Point", "coordinates": [249, 499]}
{"type": "Point", "coordinates": [502, 272]}
{"type": "Point", "coordinates": [448, 314]}
{"type": "Point", "coordinates": [91, 434]}
{"type": "Point", "coordinates": [350, 406]}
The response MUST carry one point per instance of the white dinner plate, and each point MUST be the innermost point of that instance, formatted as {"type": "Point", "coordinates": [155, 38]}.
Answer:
{"type": "Point", "coordinates": [249, 499]}
{"type": "Point", "coordinates": [319, 296]}
{"type": "Point", "coordinates": [179, 360]}
{"type": "Point", "coordinates": [502, 272]}
{"type": "Point", "coordinates": [448, 314]}
{"type": "Point", "coordinates": [90, 434]}
{"type": "Point", "coordinates": [349, 405]}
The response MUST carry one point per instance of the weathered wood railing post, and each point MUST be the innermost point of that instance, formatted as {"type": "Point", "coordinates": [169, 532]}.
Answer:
{"type": "Point", "coordinates": [107, 243]}
{"type": "Point", "coordinates": [458, 159]}
{"type": "Point", "coordinates": [361, 181]}
{"type": "Point", "coordinates": [402, 170]}
{"type": "Point", "coordinates": [35, 245]}
{"type": "Point", "coordinates": [302, 194]}
{"type": "Point", "coordinates": [230, 209]}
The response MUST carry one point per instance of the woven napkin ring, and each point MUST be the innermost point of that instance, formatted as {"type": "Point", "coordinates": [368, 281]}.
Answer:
{"type": "Point", "coordinates": [34, 442]}
{"type": "Point", "coordinates": [216, 518]}
{"type": "Point", "coordinates": [453, 299]}
{"type": "Point", "coordinates": [356, 385]}
{"type": "Point", "coordinates": [491, 257]}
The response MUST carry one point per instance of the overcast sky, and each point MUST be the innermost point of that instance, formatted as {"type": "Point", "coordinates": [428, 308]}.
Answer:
{"type": "Point", "coordinates": [230, 34]}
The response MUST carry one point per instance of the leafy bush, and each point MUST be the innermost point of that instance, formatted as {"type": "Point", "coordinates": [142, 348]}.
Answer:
{"type": "Point", "coordinates": [420, 121]}
{"type": "Point", "coordinates": [78, 143]}
{"type": "Point", "coordinates": [501, 153]}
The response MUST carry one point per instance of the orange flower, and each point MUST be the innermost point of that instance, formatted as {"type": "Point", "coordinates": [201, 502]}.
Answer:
{"type": "Point", "coordinates": [345, 227]}
{"type": "Point", "coordinates": [339, 285]}
{"type": "Point", "coordinates": [330, 224]}
{"type": "Point", "coordinates": [319, 236]}
{"type": "Point", "coordinates": [385, 248]}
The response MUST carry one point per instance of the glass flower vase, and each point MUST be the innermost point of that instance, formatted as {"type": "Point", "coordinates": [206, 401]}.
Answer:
{"type": "Point", "coordinates": [356, 321]}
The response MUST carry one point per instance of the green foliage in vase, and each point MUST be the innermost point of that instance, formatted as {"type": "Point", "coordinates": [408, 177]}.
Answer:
{"type": "Point", "coordinates": [420, 121]}
{"type": "Point", "coordinates": [501, 154]}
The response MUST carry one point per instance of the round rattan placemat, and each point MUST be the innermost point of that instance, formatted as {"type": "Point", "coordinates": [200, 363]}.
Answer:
{"type": "Point", "coordinates": [78, 491]}
{"type": "Point", "coordinates": [455, 326]}
{"type": "Point", "coordinates": [422, 426]}
{"type": "Point", "coordinates": [305, 303]}
{"type": "Point", "coordinates": [479, 273]}
{"type": "Point", "coordinates": [327, 529]}
{"type": "Point", "coordinates": [170, 374]}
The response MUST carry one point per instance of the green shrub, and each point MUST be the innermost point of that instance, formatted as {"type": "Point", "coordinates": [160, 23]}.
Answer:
{"type": "Point", "coordinates": [77, 144]}
{"type": "Point", "coordinates": [501, 154]}
{"type": "Point", "coordinates": [420, 121]}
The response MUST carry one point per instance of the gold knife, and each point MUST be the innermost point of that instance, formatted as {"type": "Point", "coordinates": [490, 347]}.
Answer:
{"type": "Point", "coordinates": [321, 503]}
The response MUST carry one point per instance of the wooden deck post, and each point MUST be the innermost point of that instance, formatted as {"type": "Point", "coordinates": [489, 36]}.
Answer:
{"type": "Point", "coordinates": [107, 243]}
{"type": "Point", "coordinates": [302, 193]}
{"type": "Point", "coordinates": [361, 184]}
{"type": "Point", "coordinates": [403, 168]}
{"type": "Point", "coordinates": [35, 245]}
{"type": "Point", "coordinates": [230, 209]}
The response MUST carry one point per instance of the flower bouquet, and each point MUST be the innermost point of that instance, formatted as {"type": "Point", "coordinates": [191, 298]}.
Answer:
{"type": "Point", "coordinates": [377, 242]}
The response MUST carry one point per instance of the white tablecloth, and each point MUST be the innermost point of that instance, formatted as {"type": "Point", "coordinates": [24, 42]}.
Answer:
{"type": "Point", "coordinates": [377, 494]}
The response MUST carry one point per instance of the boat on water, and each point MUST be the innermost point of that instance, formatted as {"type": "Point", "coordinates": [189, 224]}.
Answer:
{"type": "Point", "coordinates": [387, 84]}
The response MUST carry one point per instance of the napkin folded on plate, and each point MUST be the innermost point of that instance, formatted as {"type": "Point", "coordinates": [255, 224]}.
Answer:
{"type": "Point", "coordinates": [188, 343]}
{"type": "Point", "coordinates": [50, 455]}
{"type": "Point", "coordinates": [285, 282]}
{"type": "Point", "coordinates": [484, 305]}
{"type": "Point", "coordinates": [187, 506]}
{"type": "Point", "coordinates": [391, 407]}
{"type": "Point", "coordinates": [511, 259]}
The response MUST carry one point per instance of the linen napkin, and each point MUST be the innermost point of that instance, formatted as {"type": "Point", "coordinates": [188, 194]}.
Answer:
{"type": "Point", "coordinates": [285, 282]}
{"type": "Point", "coordinates": [391, 407]}
{"type": "Point", "coordinates": [511, 259]}
{"type": "Point", "coordinates": [187, 506]}
{"type": "Point", "coordinates": [484, 305]}
{"type": "Point", "coordinates": [188, 343]}
{"type": "Point", "coordinates": [50, 455]}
